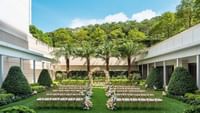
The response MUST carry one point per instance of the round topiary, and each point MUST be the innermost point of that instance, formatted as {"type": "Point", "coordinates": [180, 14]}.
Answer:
{"type": "Point", "coordinates": [16, 82]}
{"type": "Point", "coordinates": [155, 79]}
{"type": "Point", "coordinates": [44, 78]}
{"type": "Point", "coordinates": [181, 82]}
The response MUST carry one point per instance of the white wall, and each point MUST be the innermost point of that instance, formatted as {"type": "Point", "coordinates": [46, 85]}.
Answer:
{"type": "Point", "coordinates": [38, 46]}
{"type": "Point", "coordinates": [186, 39]}
{"type": "Point", "coordinates": [16, 13]}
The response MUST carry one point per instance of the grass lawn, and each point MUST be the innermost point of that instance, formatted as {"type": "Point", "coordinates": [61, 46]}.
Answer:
{"type": "Point", "coordinates": [99, 100]}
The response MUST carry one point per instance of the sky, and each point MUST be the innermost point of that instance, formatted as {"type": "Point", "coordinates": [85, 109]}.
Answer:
{"type": "Point", "coordinates": [49, 15]}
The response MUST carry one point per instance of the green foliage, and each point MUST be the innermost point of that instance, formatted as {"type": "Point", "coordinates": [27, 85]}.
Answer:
{"type": "Point", "coordinates": [59, 76]}
{"type": "Point", "coordinates": [40, 35]}
{"type": "Point", "coordinates": [44, 78]}
{"type": "Point", "coordinates": [136, 35]}
{"type": "Point", "coordinates": [185, 12]}
{"type": "Point", "coordinates": [192, 96]}
{"type": "Point", "coordinates": [148, 31]}
{"type": "Point", "coordinates": [38, 88]}
{"type": "Point", "coordinates": [3, 91]}
{"type": "Point", "coordinates": [16, 82]}
{"type": "Point", "coordinates": [136, 76]}
{"type": "Point", "coordinates": [62, 37]}
{"type": "Point", "coordinates": [18, 109]}
{"type": "Point", "coordinates": [74, 82]}
{"type": "Point", "coordinates": [66, 51]}
{"type": "Point", "coordinates": [6, 98]}
{"type": "Point", "coordinates": [181, 82]}
{"type": "Point", "coordinates": [193, 109]}
{"type": "Point", "coordinates": [197, 9]}
{"type": "Point", "coordinates": [155, 79]}
{"type": "Point", "coordinates": [86, 51]}
{"type": "Point", "coordinates": [129, 48]}
{"type": "Point", "coordinates": [97, 36]}
{"type": "Point", "coordinates": [121, 82]}
{"type": "Point", "coordinates": [117, 34]}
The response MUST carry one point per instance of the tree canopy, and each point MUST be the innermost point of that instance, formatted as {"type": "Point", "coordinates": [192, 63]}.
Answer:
{"type": "Point", "coordinates": [150, 31]}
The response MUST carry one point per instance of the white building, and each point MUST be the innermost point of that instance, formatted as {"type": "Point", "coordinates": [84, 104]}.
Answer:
{"type": "Point", "coordinates": [182, 49]}
{"type": "Point", "coordinates": [17, 46]}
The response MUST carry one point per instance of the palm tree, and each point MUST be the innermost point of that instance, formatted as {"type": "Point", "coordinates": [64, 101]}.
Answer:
{"type": "Point", "coordinates": [129, 49]}
{"type": "Point", "coordinates": [86, 51]}
{"type": "Point", "coordinates": [105, 51]}
{"type": "Point", "coordinates": [67, 51]}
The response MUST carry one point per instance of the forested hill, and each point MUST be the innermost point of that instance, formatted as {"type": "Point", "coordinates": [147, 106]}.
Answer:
{"type": "Point", "coordinates": [148, 31]}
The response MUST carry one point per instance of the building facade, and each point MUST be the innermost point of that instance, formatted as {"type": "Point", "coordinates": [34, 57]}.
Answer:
{"type": "Point", "coordinates": [17, 46]}
{"type": "Point", "coordinates": [181, 50]}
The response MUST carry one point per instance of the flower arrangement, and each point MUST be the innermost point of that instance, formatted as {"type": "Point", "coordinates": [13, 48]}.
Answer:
{"type": "Point", "coordinates": [111, 103]}
{"type": "Point", "coordinates": [87, 104]}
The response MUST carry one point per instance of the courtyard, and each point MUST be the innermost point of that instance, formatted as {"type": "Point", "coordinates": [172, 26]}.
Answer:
{"type": "Point", "coordinates": [99, 56]}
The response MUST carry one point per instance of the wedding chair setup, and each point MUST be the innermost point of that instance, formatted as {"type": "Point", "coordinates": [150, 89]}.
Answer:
{"type": "Point", "coordinates": [67, 96]}
{"type": "Point", "coordinates": [122, 96]}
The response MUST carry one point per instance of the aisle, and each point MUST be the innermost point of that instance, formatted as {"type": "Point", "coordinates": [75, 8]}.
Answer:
{"type": "Point", "coordinates": [99, 101]}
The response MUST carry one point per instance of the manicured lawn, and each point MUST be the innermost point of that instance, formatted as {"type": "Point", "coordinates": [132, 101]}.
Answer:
{"type": "Point", "coordinates": [99, 99]}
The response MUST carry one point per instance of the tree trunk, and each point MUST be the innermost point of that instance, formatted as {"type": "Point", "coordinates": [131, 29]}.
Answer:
{"type": "Point", "coordinates": [67, 65]}
{"type": "Point", "coordinates": [88, 64]}
{"type": "Point", "coordinates": [129, 65]}
{"type": "Point", "coordinates": [107, 63]}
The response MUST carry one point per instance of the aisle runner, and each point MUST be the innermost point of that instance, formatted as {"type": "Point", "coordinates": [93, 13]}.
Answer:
{"type": "Point", "coordinates": [99, 100]}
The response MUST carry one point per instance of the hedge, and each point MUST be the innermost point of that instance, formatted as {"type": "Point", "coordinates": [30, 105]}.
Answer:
{"type": "Point", "coordinates": [16, 82]}
{"type": "Point", "coordinates": [74, 82]}
{"type": "Point", "coordinates": [38, 89]}
{"type": "Point", "coordinates": [44, 78]}
{"type": "Point", "coordinates": [181, 82]}
{"type": "Point", "coordinates": [193, 109]}
{"type": "Point", "coordinates": [155, 79]}
{"type": "Point", "coordinates": [6, 98]}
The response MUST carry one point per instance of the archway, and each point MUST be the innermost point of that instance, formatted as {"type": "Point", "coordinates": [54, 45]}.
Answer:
{"type": "Point", "coordinates": [107, 76]}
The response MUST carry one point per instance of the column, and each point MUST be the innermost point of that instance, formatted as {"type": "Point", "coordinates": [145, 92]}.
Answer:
{"type": "Point", "coordinates": [164, 74]}
{"type": "Point", "coordinates": [147, 69]}
{"type": "Point", "coordinates": [1, 69]}
{"type": "Point", "coordinates": [21, 63]}
{"type": "Point", "coordinates": [43, 65]}
{"type": "Point", "coordinates": [154, 65]}
{"type": "Point", "coordinates": [177, 62]}
{"type": "Point", "coordinates": [34, 78]}
{"type": "Point", "coordinates": [198, 71]}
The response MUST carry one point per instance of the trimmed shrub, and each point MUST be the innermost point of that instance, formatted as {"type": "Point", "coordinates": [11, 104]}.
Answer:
{"type": "Point", "coordinates": [59, 75]}
{"type": "Point", "coordinates": [155, 79]}
{"type": "Point", "coordinates": [121, 82]}
{"type": "Point", "coordinates": [18, 109]}
{"type": "Point", "coordinates": [38, 89]}
{"type": "Point", "coordinates": [181, 82]}
{"type": "Point", "coordinates": [16, 82]}
{"type": "Point", "coordinates": [74, 82]}
{"type": "Point", "coordinates": [44, 78]}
